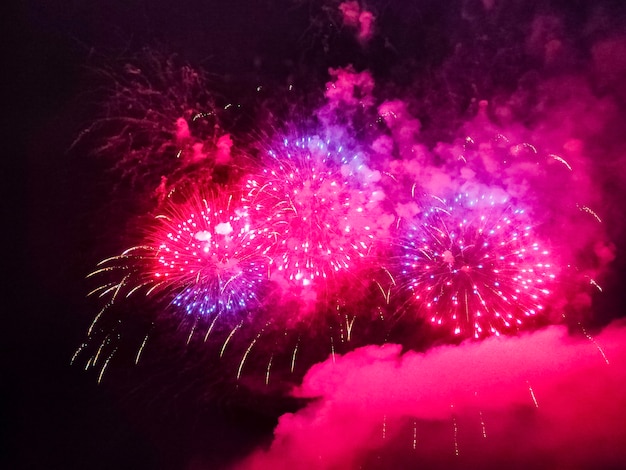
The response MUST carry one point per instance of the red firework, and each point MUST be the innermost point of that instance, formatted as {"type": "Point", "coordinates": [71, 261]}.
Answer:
{"type": "Point", "coordinates": [202, 256]}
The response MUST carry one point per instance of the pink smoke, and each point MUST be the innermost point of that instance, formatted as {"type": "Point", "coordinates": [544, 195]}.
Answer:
{"type": "Point", "coordinates": [545, 399]}
{"type": "Point", "coordinates": [358, 18]}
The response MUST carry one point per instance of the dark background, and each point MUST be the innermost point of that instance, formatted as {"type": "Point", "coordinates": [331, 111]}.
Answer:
{"type": "Point", "coordinates": [60, 217]}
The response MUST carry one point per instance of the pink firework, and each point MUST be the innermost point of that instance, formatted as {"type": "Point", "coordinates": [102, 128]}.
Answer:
{"type": "Point", "coordinates": [316, 217]}
{"type": "Point", "coordinates": [475, 266]}
{"type": "Point", "coordinates": [202, 256]}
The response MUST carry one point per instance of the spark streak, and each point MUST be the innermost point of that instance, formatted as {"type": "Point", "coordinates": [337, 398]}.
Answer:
{"type": "Point", "coordinates": [595, 343]}
{"type": "Point", "coordinates": [532, 395]}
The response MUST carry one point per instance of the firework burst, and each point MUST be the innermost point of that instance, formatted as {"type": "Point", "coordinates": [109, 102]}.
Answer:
{"type": "Point", "coordinates": [202, 257]}
{"type": "Point", "coordinates": [474, 265]}
{"type": "Point", "coordinates": [315, 214]}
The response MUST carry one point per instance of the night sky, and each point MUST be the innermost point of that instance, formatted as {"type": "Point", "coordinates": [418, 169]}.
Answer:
{"type": "Point", "coordinates": [67, 210]}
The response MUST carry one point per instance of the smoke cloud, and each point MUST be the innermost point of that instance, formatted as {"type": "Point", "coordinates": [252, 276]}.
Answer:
{"type": "Point", "coordinates": [544, 400]}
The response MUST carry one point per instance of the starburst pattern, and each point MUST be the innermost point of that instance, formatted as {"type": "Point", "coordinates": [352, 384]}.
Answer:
{"type": "Point", "coordinates": [474, 265]}
{"type": "Point", "coordinates": [316, 216]}
{"type": "Point", "coordinates": [202, 256]}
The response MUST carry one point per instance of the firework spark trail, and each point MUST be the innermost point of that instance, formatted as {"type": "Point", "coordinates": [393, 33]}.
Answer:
{"type": "Point", "coordinates": [595, 343]}
{"type": "Point", "coordinates": [140, 350]}
{"type": "Point", "coordinates": [384, 427]}
{"type": "Point", "coordinates": [455, 434]}
{"type": "Point", "coordinates": [293, 356]}
{"type": "Point", "coordinates": [532, 395]}
{"type": "Point", "coordinates": [245, 356]}
{"type": "Point", "coordinates": [267, 372]}
{"type": "Point", "coordinates": [483, 425]}
{"type": "Point", "coordinates": [317, 217]}
{"type": "Point", "coordinates": [474, 265]}
{"type": "Point", "coordinates": [229, 337]}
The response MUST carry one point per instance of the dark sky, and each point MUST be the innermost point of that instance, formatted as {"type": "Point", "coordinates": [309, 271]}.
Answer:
{"type": "Point", "coordinates": [55, 415]}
